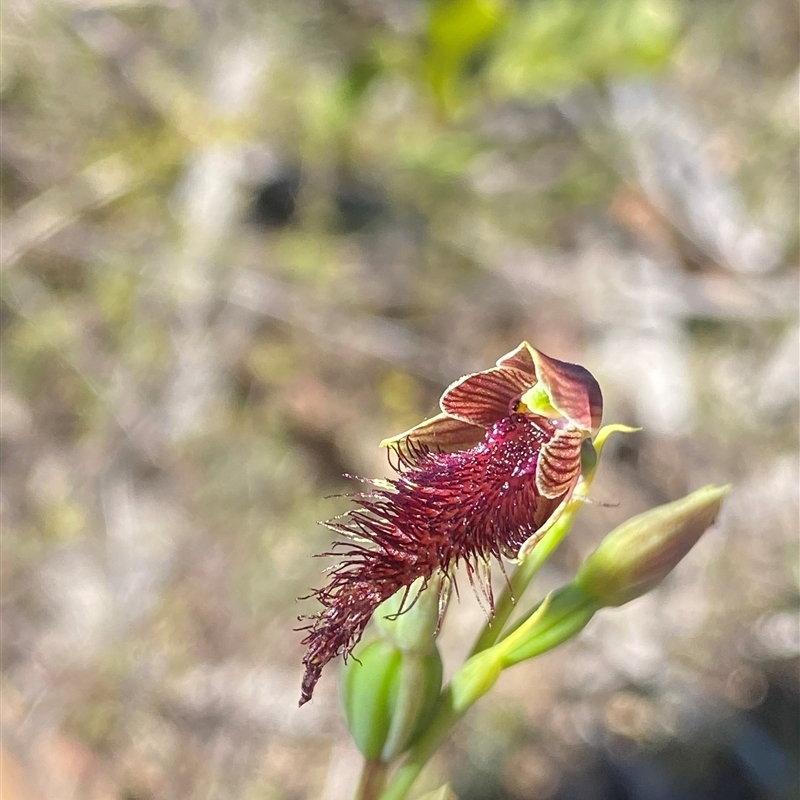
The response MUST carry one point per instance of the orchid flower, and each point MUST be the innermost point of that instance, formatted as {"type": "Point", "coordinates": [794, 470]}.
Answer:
{"type": "Point", "coordinates": [475, 482]}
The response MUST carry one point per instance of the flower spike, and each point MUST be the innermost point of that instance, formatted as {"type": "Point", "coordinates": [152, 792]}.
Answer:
{"type": "Point", "coordinates": [475, 482]}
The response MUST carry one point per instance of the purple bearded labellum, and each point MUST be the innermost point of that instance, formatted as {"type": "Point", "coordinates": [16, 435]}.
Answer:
{"type": "Point", "coordinates": [474, 482]}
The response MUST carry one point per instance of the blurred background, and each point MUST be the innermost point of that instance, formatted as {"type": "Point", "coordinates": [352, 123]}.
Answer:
{"type": "Point", "coordinates": [243, 241]}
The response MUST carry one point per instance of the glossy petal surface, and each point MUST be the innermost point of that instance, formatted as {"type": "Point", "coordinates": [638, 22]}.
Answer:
{"type": "Point", "coordinates": [520, 358]}
{"type": "Point", "coordinates": [573, 391]}
{"type": "Point", "coordinates": [483, 398]}
{"type": "Point", "coordinates": [559, 463]}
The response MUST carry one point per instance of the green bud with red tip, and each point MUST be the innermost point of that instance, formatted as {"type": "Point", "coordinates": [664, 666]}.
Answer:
{"type": "Point", "coordinates": [640, 553]}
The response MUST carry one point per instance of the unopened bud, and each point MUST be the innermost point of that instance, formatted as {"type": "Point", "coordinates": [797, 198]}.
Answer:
{"type": "Point", "coordinates": [640, 553]}
{"type": "Point", "coordinates": [419, 686]}
{"type": "Point", "coordinates": [388, 697]}
{"type": "Point", "coordinates": [368, 688]}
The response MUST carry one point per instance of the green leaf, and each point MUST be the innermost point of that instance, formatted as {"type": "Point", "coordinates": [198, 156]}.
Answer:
{"type": "Point", "coordinates": [457, 30]}
{"type": "Point", "coordinates": [555, 45]}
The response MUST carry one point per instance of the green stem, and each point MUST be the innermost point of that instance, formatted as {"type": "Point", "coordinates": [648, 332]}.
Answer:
{"type": "Point", "coordinates": [419, 755]}
{"type": "Point", "coordinates": [372, 780]}
{"type": "Point", "coordinates": [571, 610]}
{"type": "Point", "coordinates": [567, 612]}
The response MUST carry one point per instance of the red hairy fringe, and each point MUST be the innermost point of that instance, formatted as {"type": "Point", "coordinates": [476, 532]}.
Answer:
{"type": "Point", "coordinates": [443, 509]}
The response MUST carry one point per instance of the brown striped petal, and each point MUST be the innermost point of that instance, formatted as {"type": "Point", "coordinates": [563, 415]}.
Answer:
{"type": "Point", "coordinates": [573, 391]}
{"type": "Point", "coordinates": [559, 462]}
{"type": "Point", "coordinates": [439, 433]}
{"type": "Point", "coordinates": [483, 398]}
{"type": "Point", "coordinates": [521, 359]}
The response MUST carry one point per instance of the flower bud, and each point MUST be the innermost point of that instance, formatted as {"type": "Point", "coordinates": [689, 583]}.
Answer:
{"type": "Point", "coordinates": [368, 689]}
{"type": "Point", "coordinates": [640, 553]}
{"type": "Point", "coordinates": [388, 697]}
{"type": "Point", "coordinates": [420, 684]}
